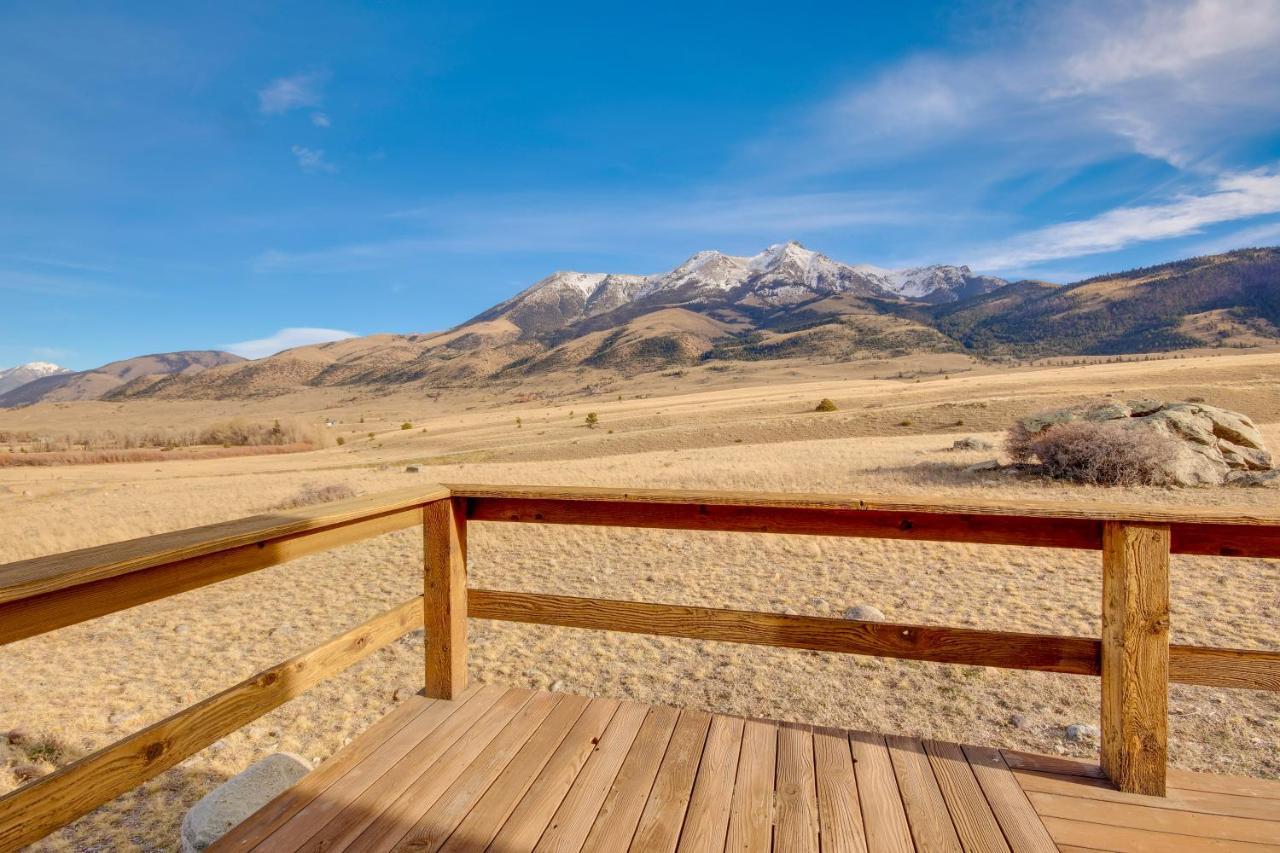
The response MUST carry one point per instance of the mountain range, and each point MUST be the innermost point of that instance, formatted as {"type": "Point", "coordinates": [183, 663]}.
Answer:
{"type": "Point", "coordinates": [15, 377]}
{"type": "Point", "coordinates": [786, 302]}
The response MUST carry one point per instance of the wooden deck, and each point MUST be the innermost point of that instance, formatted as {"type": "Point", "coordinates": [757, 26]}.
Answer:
{"type": "Point", "coordinates": [513, 770]}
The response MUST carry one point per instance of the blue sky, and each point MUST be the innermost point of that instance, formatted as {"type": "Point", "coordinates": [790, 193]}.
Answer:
{"type": "Point", "coordinates": [182, 176]}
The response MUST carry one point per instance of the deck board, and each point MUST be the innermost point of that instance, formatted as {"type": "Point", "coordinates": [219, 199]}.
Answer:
{"type": "Point", "coordinates": [512, 770]}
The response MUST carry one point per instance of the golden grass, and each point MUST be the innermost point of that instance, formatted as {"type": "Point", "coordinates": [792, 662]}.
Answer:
{"type": "Point", "coordinates": [85, 686]}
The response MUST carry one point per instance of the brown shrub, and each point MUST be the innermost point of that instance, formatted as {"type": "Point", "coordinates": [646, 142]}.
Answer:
{"type": "Point", "coordinates": [314, 493]}
{"type": "Point", "coordinates": [1098, 454]}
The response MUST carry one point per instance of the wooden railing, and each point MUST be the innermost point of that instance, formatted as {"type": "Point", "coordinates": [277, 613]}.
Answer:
{"type": "Point", "coordinates": [1133, 657]}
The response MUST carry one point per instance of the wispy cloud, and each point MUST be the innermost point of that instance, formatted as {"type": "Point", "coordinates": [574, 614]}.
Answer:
{"type": "Point", "coordinates": [283, 340]}
{"type": "Point", "coordinates": [320, 119]}
{"type": "Point", "coordinates": [289, 93]}
{"type": "Point", "coordinates": [312, 159]}
{"type": "Point", "coordinates": [1177, 81]}
{"type": "Point", "coordinates": [536, 223]}
{"type": "Point", "coordinates": [1234, 197]}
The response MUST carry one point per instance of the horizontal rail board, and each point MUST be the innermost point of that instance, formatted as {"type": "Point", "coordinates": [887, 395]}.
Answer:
{"type": "Point", "coordinates": [1090, 511]}
{"type": "Point", "coordinates": [879, 524]}
{"type": "Point", "coordinates": [1198, 665]}
{"type": "Point", "coordinates": [89, 600]}
{"type": "Point", "coordinates": [33, 811]}
{"type": "Point", "coordinates": [1248, 669]}
{"type": "Point", "coordinates": [1047, 653]}
{"type": "Point", "coordinates": [39, 575]}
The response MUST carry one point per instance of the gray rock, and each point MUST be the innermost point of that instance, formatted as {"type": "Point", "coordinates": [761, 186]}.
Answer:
{"type": "Point", "coordinates": [1141, 408]}
{"type": "Point", "coordinates": [986, 465]}
{"type": "Point", "coordinates": [1019, 721]}
{"type": "Point", "coordinates": [971, 443]}
{"type": "Point", "coordinates": [1081, 732]}
{"type": "Point", "coordinates": [1256, 479]}
{"type": "Point", "coordinates": [238, 797]}
{"type": "Point", "coordinates": [1211, 443]}
{"type": "Point", "coordinates": [1108, 412]}
{"type": "Point", "coordinates": [864, 613]}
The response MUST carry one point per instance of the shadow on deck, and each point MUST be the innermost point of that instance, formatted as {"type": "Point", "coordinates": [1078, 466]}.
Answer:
{"type": "Point", "coordinates": [514, 770]}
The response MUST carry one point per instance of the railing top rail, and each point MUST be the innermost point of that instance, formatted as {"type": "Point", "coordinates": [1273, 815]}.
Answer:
{"type": "Point", "coordinates": [879, 503]}
{"type": "Point", "coordinates": [40, 575]}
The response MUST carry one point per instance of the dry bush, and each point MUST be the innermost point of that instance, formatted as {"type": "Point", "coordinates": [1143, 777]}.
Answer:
{"type": "Point", "coordinates": [314, 493]}
{"type": "Point", "coordinates": [46, 459]}
{"type": "Point", "coordinates": [1097, 454]}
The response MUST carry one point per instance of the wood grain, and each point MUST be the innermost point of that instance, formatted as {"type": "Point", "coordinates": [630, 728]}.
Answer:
{"type": "Point", "coordinates": [444, 546]}
{"type": "Point", "coordinates": [619, 815]}
{"type": "Point", "coordinates": [751, 813]}
{"type": "Point", "coordinates": [804, 520]}
{"type": "Point", "coordinates": [706, 823]}
{"type": "Point", "coordinates": [27, 578]}
{"type": "Point", "coordinates": [37, 809]}
{"type": "Point", "coordinates": [883, 818]}
{"type": "Point", "coordinates": [839, 812]}
{"type": "Point", "coordinates": [1135, 656]}
{"type": "Point", "coordinates": [71, 605]}
{"type": "Point", "coordinates": [1046, 653]}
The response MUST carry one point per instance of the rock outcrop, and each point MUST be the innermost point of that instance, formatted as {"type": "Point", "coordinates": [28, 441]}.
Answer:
{"type": "Point", "coordinates": [1213, 446]}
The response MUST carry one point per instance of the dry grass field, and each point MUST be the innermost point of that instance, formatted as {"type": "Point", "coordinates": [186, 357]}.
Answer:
{"type": "Point", "coordinates": [82, 687]}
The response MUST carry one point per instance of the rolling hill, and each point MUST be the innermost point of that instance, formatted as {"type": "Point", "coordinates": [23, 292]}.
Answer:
{"type": "Point", "coordinates": [100, 381]}
{"type": "Point", "coordinates": [786, 302]}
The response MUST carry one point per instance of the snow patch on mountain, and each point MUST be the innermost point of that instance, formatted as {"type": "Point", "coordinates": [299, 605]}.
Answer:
{"type": "Point", "coordinates": [15, 377]}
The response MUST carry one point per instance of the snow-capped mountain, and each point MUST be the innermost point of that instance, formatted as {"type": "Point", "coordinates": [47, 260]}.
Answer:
{"type": "Point", "coordinates": [782, 275]}
{"type": "Point", "coordinates": [15, 377]}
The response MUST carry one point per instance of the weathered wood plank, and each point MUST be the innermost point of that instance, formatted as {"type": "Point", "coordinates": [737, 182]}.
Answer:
{"type": "Point", "coordinates": [883, 817]}
{"type": "Point", "coordinates": [444, 545]}
{"type": "Point", "coordinates": [620, 814]}
{"type": "Point", "coordinates": [1091, 510]}
{"type": "Point", "coordinates": [40, 575]}
{"type": "Point", "coordinates": [491, 812]}
{"type": "Point", "coordinates": [663, 816]}
{"type": "Point", "coordinates": [438, 822]}
{"type": "Point", "coordinates": [1135, 656]}
{"type": "Point", "coordinates": [573, 820]}
{"type": "Point", "coordinates": [839, 813]}
{"type": "Point", "coordinates": [974, 821]}
{"type": "Point", "coordinates": [810, 521]}
{"type": "Point", "coordinates": [526, 823]}
{"type": "Point", "coordinates": [1021, 825]}
{"type": "Point", "coordinates": [751, 813]}
{"type": "Point", "coordinates": [1076, 655]}
{"type": "Point", "coordinates": [931, 825]}
{"type": "Point", "coordinates": [417, 782]}
{"type": "Point", "coordinates": [796, 797]}
{"type": "Point", "coordinates": [71, 605]}
{"type": "Point", "coordinates": [39, 808]}
{"type": "Point", "coordinates": [1185, 799]}
{"type": "Point", "coordinates": [707, 821]}
{"type": "Point", "coordinates": [1250, 669]}
{"type": "Point", "coordinates": [1098, 836]}
{"type": "Point", "coordinates": [1158, 820]}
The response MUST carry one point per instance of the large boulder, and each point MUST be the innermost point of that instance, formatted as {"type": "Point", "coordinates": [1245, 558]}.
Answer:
{"type": "Point", "coordinates": [240, 796]}
{"type": "Point", "coordinates": [1211, 444]}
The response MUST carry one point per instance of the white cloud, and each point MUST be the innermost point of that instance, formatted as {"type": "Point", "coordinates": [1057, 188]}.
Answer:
{"type": "Point", "coordinates": [1234, 197]}
{"type": "Point", "coordinates": [312, 159]}
{"type": "Point", "coordinates": [285, 339]}
{"type": "Point", "coordinates": [320, 119]}
{"type": "Point", "coordinates": [289, 93]}
{"type": "Point", "coordinates": [1177, 81]}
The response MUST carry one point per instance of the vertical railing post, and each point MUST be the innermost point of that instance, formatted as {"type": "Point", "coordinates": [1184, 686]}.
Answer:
{"type": "Point", "coordinates": [1135, 655]}
{"type": "Point", "coordinates": [444, 545]}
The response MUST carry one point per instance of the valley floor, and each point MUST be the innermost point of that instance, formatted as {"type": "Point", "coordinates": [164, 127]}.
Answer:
{"type": "Point", "coordinates": [82, 687]}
